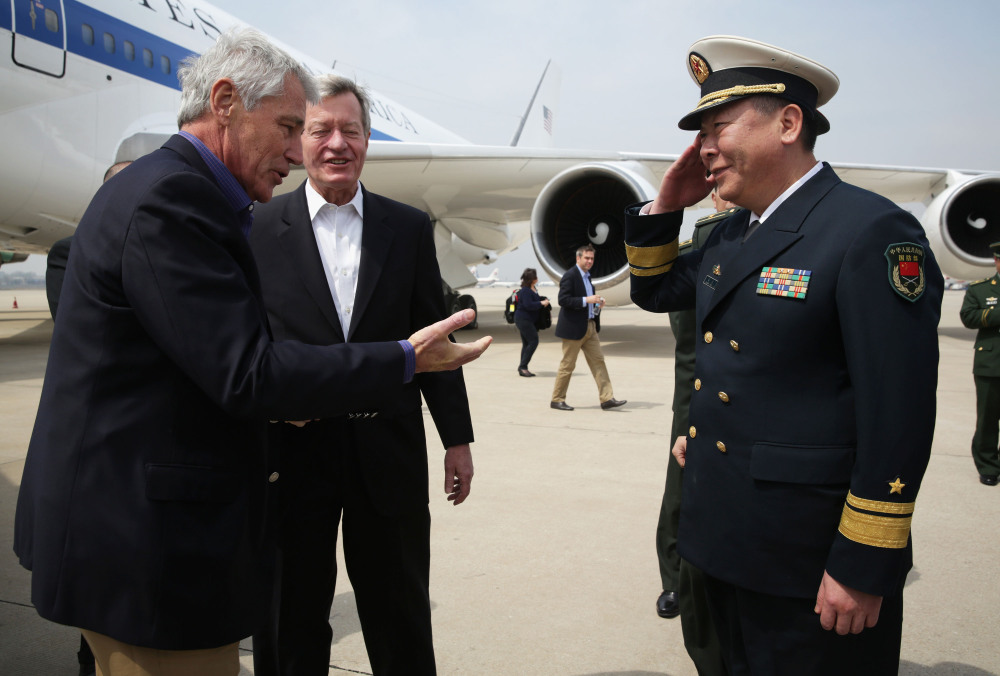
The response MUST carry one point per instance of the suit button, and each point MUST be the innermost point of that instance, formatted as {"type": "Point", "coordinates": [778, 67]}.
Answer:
{"type": "Point", "coordinates": [724, 397]}
{"type": "Point", "coordinates": [721, 446]}
{"type": "Point", "coordinates": [692, 432]}
{"type": "Point", "coordinates": [697, 383]}
{"type": "Point", "coordinates": [736, 346]}
{"type": "Point", "coordinates": [274, 477]}
{"type": "Point", "coordinates": [708, 336]}
{"type": "Point", "coordinates": [980, 349]}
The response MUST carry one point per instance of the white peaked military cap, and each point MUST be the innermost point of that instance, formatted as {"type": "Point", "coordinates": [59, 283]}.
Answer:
{"type": "Point", "coordinates": [729, 68]}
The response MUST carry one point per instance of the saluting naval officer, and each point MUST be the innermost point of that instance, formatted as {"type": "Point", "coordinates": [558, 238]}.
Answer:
{"type": "Point", "coordinates": [814, 395]}
{"type": "Point", "coordinates": [979, 311]}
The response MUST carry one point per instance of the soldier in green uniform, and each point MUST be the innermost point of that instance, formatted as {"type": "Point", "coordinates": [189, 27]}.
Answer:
{"type": "Point", "coordinates": [980, 311]}
{"type": "Point", "coordinates": [683, 584]}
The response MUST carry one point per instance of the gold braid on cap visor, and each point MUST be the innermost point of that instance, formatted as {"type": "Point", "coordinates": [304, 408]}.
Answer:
{"type": "Point", "coordinates": [740, 90]}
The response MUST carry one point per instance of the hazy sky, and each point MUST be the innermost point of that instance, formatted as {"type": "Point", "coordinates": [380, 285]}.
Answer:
{"type": "Point", "coordinates": [918, 78]}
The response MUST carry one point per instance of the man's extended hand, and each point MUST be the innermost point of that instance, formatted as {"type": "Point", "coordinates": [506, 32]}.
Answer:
{"type": "Point", "coordinates": [458, 472]}
{"type": "Point", "coordinates": [436, 353]}
{"type": "Point", "coordinates": [845, 609]}
{"type": "Point", "coordinates": [684, 184]}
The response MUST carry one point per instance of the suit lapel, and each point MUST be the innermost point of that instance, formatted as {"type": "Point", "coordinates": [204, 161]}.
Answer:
{"type": "Point", "coordinates": [376, 242]}
{"type": "Point", "coordinates": [739, 259]}
{"type": "Point", "coordinates": [299, 244]}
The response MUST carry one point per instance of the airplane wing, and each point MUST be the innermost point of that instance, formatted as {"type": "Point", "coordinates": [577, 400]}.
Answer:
{"type": "Point", "coordinates": [487, 200]}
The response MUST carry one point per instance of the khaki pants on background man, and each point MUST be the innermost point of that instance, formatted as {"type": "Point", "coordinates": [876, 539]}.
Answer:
{"type": "Point", "coordinates": [590, 345]}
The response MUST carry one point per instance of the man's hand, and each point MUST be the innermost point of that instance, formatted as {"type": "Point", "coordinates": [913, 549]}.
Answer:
{"type": "Point", "coordinates": [844, 609]}
{"type": "Point", "coordinates": [685, 182]}
{"type": "Point", "coordinates": [436, 353]}
{"type": "Point", "coordinates": [679, 450]}
{"type": "Point", "coordinates": [458, 472]}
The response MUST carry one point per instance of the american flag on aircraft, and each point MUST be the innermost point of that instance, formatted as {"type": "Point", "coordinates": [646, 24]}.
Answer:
{"type": "Point", "coordinates": [547, 119]}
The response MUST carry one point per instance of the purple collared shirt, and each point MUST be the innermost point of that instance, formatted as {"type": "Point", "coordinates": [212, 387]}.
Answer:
{"type": "Point", "coordinates": [237, 197]}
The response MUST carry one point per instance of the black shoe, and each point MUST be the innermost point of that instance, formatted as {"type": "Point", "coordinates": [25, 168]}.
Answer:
{"type": "Point", "coordinates": [612, 403]}
{"type": "Point", "coordinates": [526, 373]}
{"type": "Point", "coordinates": [988, 479]}
{"type": "Point", "coordinates": [667, 605]}
{"type": "Point", "coordinates": [561, 406]}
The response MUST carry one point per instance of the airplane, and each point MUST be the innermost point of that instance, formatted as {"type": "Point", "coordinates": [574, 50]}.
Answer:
{"type": "Point", "coordinates": [92, 82]}
{"type": "Point", "coordinates": [489, 280]}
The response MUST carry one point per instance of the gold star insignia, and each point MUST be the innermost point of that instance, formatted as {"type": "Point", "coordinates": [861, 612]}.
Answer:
{"type": "Point", "coordinates": [896, 486]}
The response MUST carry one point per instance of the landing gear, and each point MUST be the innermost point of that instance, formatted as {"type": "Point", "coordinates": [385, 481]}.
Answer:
{"type": "Point", "coordinates": [455, 301]}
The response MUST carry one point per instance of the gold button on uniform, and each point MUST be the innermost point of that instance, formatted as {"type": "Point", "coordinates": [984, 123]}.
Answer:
{"type": "Point", "coordinates": [273, 477]}
{"type": "Point", "coordinates": [692, 432]}
{"type": "Point", "coordinates": [708, 336]}
{"type": "Point", "coordinates": [736, 346]}
{"type": "Point", "coordinates": [697, 383]}
{"type": "Point", "coordinates": [721, 446]}
{"type": "Point", "coordinates": [724, 397]}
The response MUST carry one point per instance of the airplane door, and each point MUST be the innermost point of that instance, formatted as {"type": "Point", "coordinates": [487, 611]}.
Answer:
{"type": "Point", "coordinates": [39, 29]}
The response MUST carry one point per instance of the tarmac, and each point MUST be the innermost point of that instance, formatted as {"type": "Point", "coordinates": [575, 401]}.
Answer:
{"type": "Point", "coordinates": [549, 568]}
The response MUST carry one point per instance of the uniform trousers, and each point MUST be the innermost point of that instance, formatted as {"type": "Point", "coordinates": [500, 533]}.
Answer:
{"type": "Point", "coordinates": [985, 441]}
{"type": "Point", "coordinates": [114, 658]}
{"type": "Point", "coordinates": [590, 345]}
{"type": "Point", "coordinates": [765, 635]}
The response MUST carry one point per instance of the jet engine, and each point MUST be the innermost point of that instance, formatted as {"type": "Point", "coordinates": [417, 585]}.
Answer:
{"type": "Point", "coordinates": [586, 204]}
{"type": "Point", "coordinates": [961, 223]}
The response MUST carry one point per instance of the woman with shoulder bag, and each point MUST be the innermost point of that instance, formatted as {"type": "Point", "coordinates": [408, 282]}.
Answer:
{"type": "Point", "coordinates": [528, 305]}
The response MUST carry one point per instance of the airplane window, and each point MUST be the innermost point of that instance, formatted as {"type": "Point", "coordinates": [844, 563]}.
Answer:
{"type": "Point", "coordinates": [129, 50]}
{"type": "Point", "coordinates": [109, 43]}
{"type": "Point", "coordinates": [52, 20]}
{"type": "Point", "coordinates": [165, 64]}
{"type": "Point", "coordinates": [87, 33]}
{"type": "Point", "coordinates": [147, 58]}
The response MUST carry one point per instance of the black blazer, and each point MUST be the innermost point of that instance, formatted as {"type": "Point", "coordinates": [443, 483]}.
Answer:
{"type": "Point", "coordinates": [803, 404]}
{"type": "Point", "coordinates": [146, 491]}
{"type": "Point", "coordinates": [572, 322]}
{"type": "Point", "coordinates": [399, 291]}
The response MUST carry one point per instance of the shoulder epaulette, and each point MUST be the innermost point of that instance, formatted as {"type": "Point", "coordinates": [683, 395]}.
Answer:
{"type": "Point", "coordinates": [685, 245]}
{"type": "Point", "coordinates": [980, 281]}
{"type": "Point", "coordinates": [717, 216]}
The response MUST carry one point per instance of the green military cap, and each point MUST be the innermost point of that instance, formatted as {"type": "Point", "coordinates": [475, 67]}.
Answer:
{"type": "Point", "coordinates": [995, 248]}
{"type": "Point", "coordinates": [729, 68]}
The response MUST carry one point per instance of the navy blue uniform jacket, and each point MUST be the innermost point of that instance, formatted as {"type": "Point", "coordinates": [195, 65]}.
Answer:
{"type": "Point", "coordinates": [812, 417]}
{"type": "Point", "coordinates": [146, 490]}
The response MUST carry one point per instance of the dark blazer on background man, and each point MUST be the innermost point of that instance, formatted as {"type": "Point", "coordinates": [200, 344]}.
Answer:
{"type": "Point", "coordinates": [146, 492]}
{"type": "Point", "coordinates": [572, 323]}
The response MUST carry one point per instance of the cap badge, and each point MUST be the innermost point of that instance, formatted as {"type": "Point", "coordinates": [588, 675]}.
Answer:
{"type": "Point", "coordinates": [699, 68]}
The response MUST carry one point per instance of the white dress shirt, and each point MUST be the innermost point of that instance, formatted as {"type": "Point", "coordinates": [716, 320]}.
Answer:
{"type": "Point", "coordinates": [338, 237]}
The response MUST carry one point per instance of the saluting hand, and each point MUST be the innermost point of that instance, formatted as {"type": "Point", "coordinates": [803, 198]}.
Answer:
{"type": "Point", "coordinates": [684, 183]}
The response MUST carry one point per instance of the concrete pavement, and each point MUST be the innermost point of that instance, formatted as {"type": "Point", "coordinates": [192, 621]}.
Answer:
{"type": "Point", "coordinates": [550, 568]}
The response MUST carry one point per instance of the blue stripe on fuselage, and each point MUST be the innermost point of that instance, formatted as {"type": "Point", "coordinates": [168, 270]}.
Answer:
{"type": "Point", "coordinates": [146, 66]}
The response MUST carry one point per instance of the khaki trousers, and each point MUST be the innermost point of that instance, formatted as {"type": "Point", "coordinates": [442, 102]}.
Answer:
{"type": "Point", "coordinates": [590, 345]}
{"type": "Point", "coordinates": [115, 658]}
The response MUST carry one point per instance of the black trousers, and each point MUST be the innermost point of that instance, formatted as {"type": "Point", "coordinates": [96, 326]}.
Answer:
{"type": "Point", "coordinates": [529, 340]}
{"type": "Point", "coordinates": [766, 635]}
{"type": "Point", "coordinates": [388, 562]}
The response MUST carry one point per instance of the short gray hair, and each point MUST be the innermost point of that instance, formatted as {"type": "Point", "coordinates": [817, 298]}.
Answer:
{"type": "Point", "coordinates": [256, 67]}
{"type": "Point", "coordinates": [334, 85]}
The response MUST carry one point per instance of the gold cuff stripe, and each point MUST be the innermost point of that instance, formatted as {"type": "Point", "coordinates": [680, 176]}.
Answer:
{"type": "Point", "coordinates": [651, 272]}
{"type": "Point", "coordinates": [881, 507]}
{"type": "Point", "coordinates": [740, 90]}
{"type": "Point", "coordinates": [886, 532]}
{"type": "Point", "coordinates": [651, 256]}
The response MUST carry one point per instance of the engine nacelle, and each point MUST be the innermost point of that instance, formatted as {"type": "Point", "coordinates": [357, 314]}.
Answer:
{"type": "Point", "coordinates": [962, 222]}
{"type": "Point", "coordinates": [586, 204]}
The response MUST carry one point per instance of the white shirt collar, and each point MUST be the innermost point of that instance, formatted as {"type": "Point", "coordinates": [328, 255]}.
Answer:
{"type": "Point", "coordinates": [315, 201]}
{"type": "Point", "coordinates": [785, 195]}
